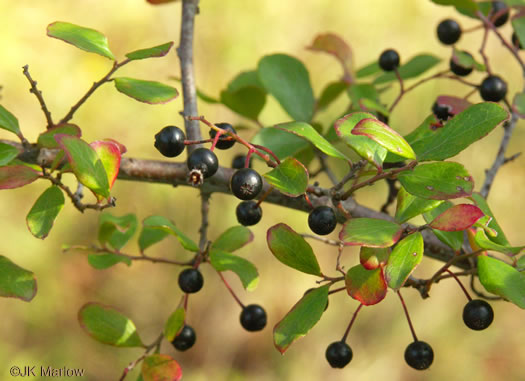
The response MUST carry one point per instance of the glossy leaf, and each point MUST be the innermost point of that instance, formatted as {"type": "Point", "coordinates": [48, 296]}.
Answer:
{"type": "Point", "coordinates": [281, 143]}
{"type": "Point", "coordinates": [502, 279]}
{"type": "Point", "coordinates": [409, 206]}
{"type": "Point", "coordinates": [292, 249]}
{"type": "Point", "coordinates": [156, 51]}
{"type": "Point", "coordinates": [330, 93]}
{"type": "Point", "coordinates": [15, 176]}
{"type": "Point", "coordinates": [174, 323]}
{"type": "Point", "coordinates": [452, 239]}
{"type": "Point", "coordinates": [233, 239]}
{"type": "Point", "coordinates": [287, 79]}
{"type": "Point", "coordinates": [42, 215]}
{"type": "Point", "coordinates": [290, 177]}
{"type": "Point", "coordinates": [160, 367]}
{"type": "Point", "coordinates": [86, 39]}
{"type": "Point", "coordinates": [145, 91]}
{"type": "Point", "coordinates": [106, 260]}
{"type": "Point", "coordinates": [333, 44]}
{"type": "Point", "coordinates": [47, 138]}
{"type": "Point", "coordinates": [303, 316]}
{"type": "Point", "coordinates": [437, 181]}
{"type": "Point", "coordinates": [493, 224]}
{"type": "Point", "coordinates": [165, 225]}
{"type": "Point", "coordinates": [457, 218]}
{"type": "Point", "coordinates": [370, 232]}
{"type": "Point", "coordinates": [8, 121]}
{"type": "Point", "coordinates": [109, 154]}
{"type": "Point", "coordinates": [7, 153]}
{"type": "Point", "coordinates": [413, 68]}
{"type": "Point", "coordinates": [16, 282]}
{"type": "Point", "coordinates": [366, 286]}
{"type": "Point", "coordinates": [405, 257]}
{"type": "Point", "coordinates": [371, 258]}
{"type": "Point", "coordinates": [117, 231]}
{"type": "Point", "coordinates": [108, 326]}
{"type": "Point", "coordinates": [484, 242]}
{"type": "Point", "coordinates": [247, 272]}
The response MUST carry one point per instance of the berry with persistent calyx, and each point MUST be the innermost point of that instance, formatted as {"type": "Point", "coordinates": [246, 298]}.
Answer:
{"type": "Point", "coordinates": [460, 70]}
{"type": "Point", "coordinates": [516, 41]}
{"type": "Point", "coordinates": [499, 7]}
{"type": "Point", "coordinates": [448, 31]}
{"type": "Point", "coordinates": [478, 314]}
{"type": "Point", "coordinates": [185, 339]}
{"type": "Point", "coordinates": [419, 355]}
{"type": "Point", "coordinates": [338, 354]}
{"type": "Point", "coordinates": [389, 60]}
{"type": "Point", "coordinates": [246, 184]}
{"type": "Point", "coordinates": [493, 89]}
{"type": "Point", "coordinates": [248, 213]}
{"type": "Point", "coordinates": [170, 141]}
{"type": "Point", "coordinates": [190, 280]}
{"type": "Point", "coordinates": [204, 160]}
{"type": "Point", "coordinates": [225, 141]}
{"type": "Point", "coordinates": [441, 111]}
{"type": "Point", "coordinates": [253, 318]}
{"type": "Point", "coordinates": [239, 161]}
{"type": "Point", "coordinates": [322, 220]}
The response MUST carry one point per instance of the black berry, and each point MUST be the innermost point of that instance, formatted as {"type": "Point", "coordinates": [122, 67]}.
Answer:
{"type": "Point", "coordinates": [389, 60]}
{"type": "Point", "coordinates": [322, 220]}
{"type": "Point", "coordinates": [382, 118]}
{"type": "Point", "coordinates": [448, 31]}
{"type": "Point", "coordinates": [170, 141]}
{"type": "Point", "coordinates": [225, 141]}
{"type": "Point", "coordinates": [239, 161]}
{"type": "Point", "coordinates": [190, 280]}
{"type": "Point", "coordinates": [253, 318]}
{"type": "Point", "coordinates": [460, 70]}
{"type": "Point", "coordinates": [419, 355]}
{"type": "Point", "coordinates": [246, 184]}
{"type": "Point", "coordinates": [204, 160]}
{"type": "Point", "coordinates": [248, 213]}
{"type": "Point", "coordinates": [478, 314]}
{"type": "Point", "coordinates": [497, 7]}
{"type": "Point", "coordinates": [338, 354]}
{"type": "Point", "coordinates": [516, 41]}
{"type": "Point", "coordinates": [441, 111]}
{"type": "Point", "coordinates": [493, 88]}
{"type": "Point", "coordinates": [185, 339]}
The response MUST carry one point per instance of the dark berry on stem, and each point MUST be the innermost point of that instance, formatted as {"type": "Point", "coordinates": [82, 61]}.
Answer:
{"type": "Point", "coordinates": [448, 31]}
{"type": "Point", "coordinates": [170, 141]}
{"type": "Point", "coordinates": [239, 161]}
{"type": "Point", "coordinates": [493, 89]}
{"type": "Point", "coordinates": [248, 213]}
{"type": "Point", "coordinates": [322, 220]}
{"type": "Point", "coordinates": [338, 354]}
{"type": "Point", "coordinates": [478, 314]}
{"type": "Point", "coordinates": [419, 355]}
{"type": "Point", "coordinates": [190, 280]}
{"type": "Point", "coordinates": [253, 318]}
{"type": "Point", "coordinates": [458, 69]}
{"type": "Point", "coordinates": [389, 60]}
{"type": "Point", "coordinates": [225, 141]}
{"type": "Point", "coordinates": [441, 111]}
{"type": "Point", "coordinates": [204, 160]}
{"type": "Point", "coordinates": [516, 41]}
{"type": "Point", "coordinates": [497, 7]}
{"type": "Point", "coordinates": [246, 184]}
{"type": "Point", "coordinates": [185, 339]}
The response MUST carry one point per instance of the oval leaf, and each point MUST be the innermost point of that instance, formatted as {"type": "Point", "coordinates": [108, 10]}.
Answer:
{"type": "Point", "coordinates": [405, 257]}
{"type": "Point", "coordinates": [116, 231]}
{"type": "Point", "coordinates": [290, 177]}
{"type": "Point", "coordinates": [14, 176]}
{"type": "Point", "coordinates": [16, 282]}
{"type": "Point", "coordinates": [233, 239]}
{"type": "Point", "coordinates": [7, 153]}
{"type": "Point", "coordinates": [484, 242]}
{"type": "Point", "coordinates": [371, 258]}
{"type": "Point", "coordinates": [156, 51]}
{"type": "Point", "coordinates": [409, 206]}
{"type": "Point", "coordinates": [366, 286]}
{"type": "Point", "coordinates": [106, 260]}
{"type": "Point", "coordinates": [457, 218]}
{"type": "Point", "coordinates": [42, 215]}
{"type": "Point", "coordinates": [452, 239]}
{"type": "Point", "coordinates": [281, 143]}
{"type": "Point", "coordinates": [164, 225]}
{"type": "Point", "coordinates": [247, 272]}
{"type": "Point", "coordinates": [370, 232]}
{"type": "Point", "coordinates": [502, 279]}
{"type": "Point", "coordinates": [109, 153]}
{"type": "Point", "coordinates": [145, 91]}
{"type": "Point", "coordinates": [47, 139]}
{"type": "Point", "coordinates": [174, 324]}
{"type": "Point", "coordinates": [333, 44]}
{"type": "Point", "coordinates": [159, 367]}
{"type": "Point", "coordinates": [8, 121]}
{"type": "Point", "coordinates": [413, 68]}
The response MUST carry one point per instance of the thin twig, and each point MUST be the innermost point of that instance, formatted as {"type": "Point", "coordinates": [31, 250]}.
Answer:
{"type": "Point", "coordinates": [203, 230]}
{"type": "Point", "coordinates": [38, 95]}
{"type": "Point", "coordinates": [328, 241]}
{"type": "Point", "coordinates": [134, 363]}
{"type": "Point", "coordinates": [354, 316]}
{"type": "Point", "coordinates": [407, 315]}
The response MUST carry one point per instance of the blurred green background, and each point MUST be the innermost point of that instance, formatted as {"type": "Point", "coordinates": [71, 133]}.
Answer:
{"type": "Point", "coordinates": [231, 36]}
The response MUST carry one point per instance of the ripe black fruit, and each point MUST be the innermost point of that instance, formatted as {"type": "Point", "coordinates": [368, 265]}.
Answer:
{"type": "Point", "coordinates": [185, 339]}
{"type": "Point", "coordinates": [253, 318]}
{"type": "Point", "coordinates": [460, 70]}
{"type": "Point", "coordinates": [204, 160]}
{"type": "Point", "coordinates": [246, 184]}
{"type": "Point", "coordinates": [497, 7]}
{"type": "Point", "coordinates": [170, 141]}
{"type": "Point", "coordinates": [225, 141]}
{"type": "Point", "coordinates": [448, 31]}
{"type": "Point", "coordinates": [419, 355]}
{"type": "Point", "coordinates": [322, 220]}
{"type": "Point", "coordinates": [516, 41]}
{"type": "Point", "coordinates": [190, 280]}
{"type": "Point", "coordinates": [338, 354]}
{"type": "Point", "coordinates": [239, 161]}
{"type": "Point", "coordinates": [248, 213]}
{"type": "Point", "coordinates": [478, 314]}
{"type": "Point", "coordinates": [493, 88]}
{"type": "Point", "coordinates": [389, 60]}
{"type": "Point", "coordinates": [441, 111]}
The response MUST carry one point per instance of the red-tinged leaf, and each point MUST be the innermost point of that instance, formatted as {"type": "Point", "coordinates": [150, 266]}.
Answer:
{"type": "Point", "coordinates": [47, 139]}
{"type": "Point", "coordinates": [371, 258]}
{"type": "Point", "coordinates": [367, 286]}
{"type": "Point", "coordinates": [455, 104]}
{"type": "Point", "coordinates": [109, 153]}
{"type": "Point", "coordinates": [15, 176]}
{"type": "Point", "coordinates": [121, 146]}
{"type": "Point", "coordinates": [159, 367]}
{"type": "Point", "coordinates": [457, 218]}
{"type": "Point", "coordinates": [333, 44]}
{"type": "Point", "coordinates": [370, 232]}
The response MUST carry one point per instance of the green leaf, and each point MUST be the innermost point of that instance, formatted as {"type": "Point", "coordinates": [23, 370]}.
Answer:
{"type": "Point", "coordinates": [370, 232]}
{"type": "Point", "coordinates": [464, 59]}
{"type": "Point", "coordinates": [309, 133]}
{"type": "Point", "coordinates": [373, 105]}
{"type": "Point", "coordinates": [287, 79]}
{"type": "Point", "coordinates": [409, 206]}
{"type": "Point", "coordinates": [164, 225]}
{"type": "Point", "coordinates": [452, 239]}
{"type": "Point", "coordinates": [518, 24]}
{"type": "Point", "coordinates": [405, 257]}
{"type": "Point", "coordinates": [233, 239]}
{"type": "Point", "coordinates": [108, 326]}
{"type": "Point", "coordinates": [86, 39]}
{"type": "Point", "coordinates": [292, 249]}
{"type": "Point", "coordinates": [303, 316]}
{"type": "Point", "coordinates": [366, 286]}
{"type": "Point", "coordinates": [461, 131]}
{"type": "Point", "coordinates": [247, 272]}
{"type": "Point", "coordinates": [15, 176]}
{"type": "Point", "coordinates": [485, 243]}
{"type": "Point", "coordinates": [116, 231]}
{"type": "Point", "coordinates": [42, 215]}
{"type": "Point", "coordinates": [145, 91]}
{"type": "Point", "coordinates": [457, 218]}
{"type": "Point", "coordinates": [413, 68]}
{"type": "Point", "coordinates": [368, 70]}
{"type": "Point", "coordinates": [150, 236]}
{"type": "Point", "coordinates": [290, 177]}
{"type": "Point", "coordinates": [16, 282]}
{"type": "Point", "coordinates": [245, 95]}
{"type": "Point", "coordinates": [518, 104]}
{"type": "Point", "coordinates": [330, 93]}
{"type": "Point", "coordinates": [106, 260]}
{"type": "Point", "coordinates": [7, 153]}
{"type": "Point", "coordinates": [371, 258]}
{"type": "Point", "coordinates": [109, 152]}
{"type": "Point", "coordinates": [47, 138]}
{"type": "Point", "coordinates": [359, 91]}
{"type": "Point", "coordinates": [156, 51]}
{"type": "Point", "coordinates": [8, 121]}
{"type": "Point", "coordinates": [159, 367]}
{"type": "Point", "coordinates": [174, 324]}
{"type": "Point", "coordinates": [438, 181]}
{"type": "Point", "coordinates": [493, 224]}
{"type": "Point", "coordinates": [281, 143]}
{"type": "Point", "coordinates": [502, 279]}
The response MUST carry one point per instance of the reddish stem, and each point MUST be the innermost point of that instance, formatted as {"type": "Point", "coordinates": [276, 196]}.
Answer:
{"type": "Point", "coordinates": [460, 284]}
{"type": "Point", "coordinates": [264, 196]}
{"type": "Point", "coordinates": [351, 322]}
{"type": "Point", "coordinates": [408, 316]}
{"type": "Point", "coordinates": [230, 289]}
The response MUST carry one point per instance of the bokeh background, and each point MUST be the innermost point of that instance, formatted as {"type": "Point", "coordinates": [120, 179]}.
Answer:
{"type": "Point", "coordinates": [230, 37]}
